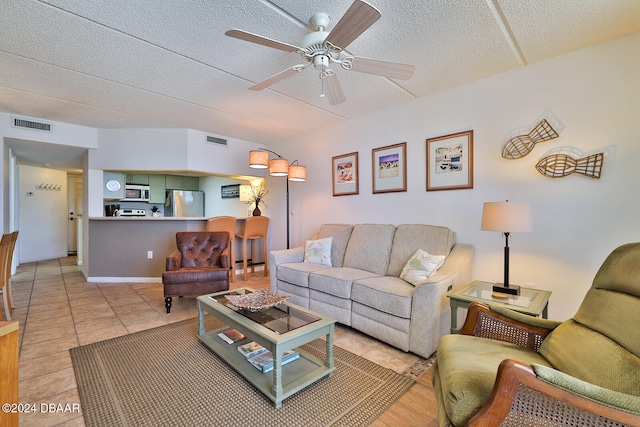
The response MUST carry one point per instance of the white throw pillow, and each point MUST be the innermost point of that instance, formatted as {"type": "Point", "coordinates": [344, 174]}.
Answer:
{"type": "Point", "coordinates": [420, 267]}
{"type": "Point", "coordinates": [318, 251]}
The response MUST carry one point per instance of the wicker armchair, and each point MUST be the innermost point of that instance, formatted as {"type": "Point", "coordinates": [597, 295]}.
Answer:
{"type": "Point", "coordinates": [509, 369]}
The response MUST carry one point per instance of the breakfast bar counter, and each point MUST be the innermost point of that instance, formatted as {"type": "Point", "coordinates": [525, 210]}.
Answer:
{"type": "Point", "coordinates": [134, 249]}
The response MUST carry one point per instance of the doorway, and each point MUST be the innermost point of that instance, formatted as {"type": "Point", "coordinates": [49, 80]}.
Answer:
{"type": "Point", "coordinates": [74, 202]}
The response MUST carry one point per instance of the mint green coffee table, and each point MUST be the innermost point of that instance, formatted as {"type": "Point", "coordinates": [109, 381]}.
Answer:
{"type": "Point", "coordinates": [280, 328]}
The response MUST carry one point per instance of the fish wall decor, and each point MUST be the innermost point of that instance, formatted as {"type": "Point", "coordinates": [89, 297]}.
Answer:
{"type": "Point", "coordinates": [521, 145]}
{"type": "Point", "coordinates": [561, 165]}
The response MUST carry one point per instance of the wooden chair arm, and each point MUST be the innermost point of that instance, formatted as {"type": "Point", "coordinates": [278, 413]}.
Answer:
{"type": "Point", "coordinates": [515, 379]}
{"type": "Point", "coordinates": [482, 322]}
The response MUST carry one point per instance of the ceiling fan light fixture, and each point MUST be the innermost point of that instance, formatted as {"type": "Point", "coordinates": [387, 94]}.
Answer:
{"type": "Point", "coordinates": [258, 159]}
{"type": "Point", "coordinates": [278, 167]}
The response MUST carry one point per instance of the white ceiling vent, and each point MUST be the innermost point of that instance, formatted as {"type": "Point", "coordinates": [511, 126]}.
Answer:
{"type": "Point", "coordinates": [217, 141]}
{"type": "Point", "coordinates": [30, 124]}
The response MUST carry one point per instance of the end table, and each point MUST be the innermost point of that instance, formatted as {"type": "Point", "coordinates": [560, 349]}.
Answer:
{"type": "Point", "coordinates": [534, 302]}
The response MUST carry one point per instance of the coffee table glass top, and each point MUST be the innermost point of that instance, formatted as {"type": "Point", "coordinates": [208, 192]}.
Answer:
{"type": "Point", "coordinates": [484, 291]}
{"type": "Point", "coordinates": [280, 319]}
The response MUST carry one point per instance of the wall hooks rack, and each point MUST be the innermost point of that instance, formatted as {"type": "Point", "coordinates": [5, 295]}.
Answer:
{"type": "Point", "coordinates": [49, 187]}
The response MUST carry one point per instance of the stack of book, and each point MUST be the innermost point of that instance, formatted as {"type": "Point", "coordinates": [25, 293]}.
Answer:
{"type": "Point", "coordinates": [262, 359]}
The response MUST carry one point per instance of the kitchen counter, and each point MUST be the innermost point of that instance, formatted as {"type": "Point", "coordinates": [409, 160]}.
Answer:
{"type": "Point", "coordinates": [134, 249]}
{"type": "Point", "coordinates": [151, 218]}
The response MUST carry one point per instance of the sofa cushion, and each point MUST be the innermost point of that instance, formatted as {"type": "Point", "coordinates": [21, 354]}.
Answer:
{"type": "Point", "coordinates": [340, 234]}
{"type": "Point", "coordinates": [467, 368]}
{"type": "Point", "coordinates": [409, 238]}
{"type": "Point", "coordinates": [318, 251]}
{"type": "Point", "coordinates": [592, 357]}
{"type": "Point", "coordinates": [336, 281]}
{"type": "Point", "coordinates": [369, 248]}
{"type": "Point", "coordinates": [420, 267]}
{"type": "Point", "coordinates": [388, 294]}
{"type": "Point", "coordinates": [297, 272]}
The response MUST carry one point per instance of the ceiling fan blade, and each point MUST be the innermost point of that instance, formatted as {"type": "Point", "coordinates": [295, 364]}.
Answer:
{"type": "Point", "coordinates": [392, 70]}
{"type": "Point", "coordinates": [355, 21]}
{"type": "Point", "coordinates": [264, 41]}
{"type": "Point", "coordinates": [278, 77]}
{"type": "Point", "coordinates": [334, 90]}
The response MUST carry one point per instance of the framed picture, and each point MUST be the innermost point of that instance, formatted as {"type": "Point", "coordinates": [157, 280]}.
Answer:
{"type": "Point", "coordinates": [345, 174]}
{"type": "Point", "coordinates": [450, 162]}
{"type": "Point", "coordinates": [230, 191]}
{"type": "Point", "coordinates": [389, 166]}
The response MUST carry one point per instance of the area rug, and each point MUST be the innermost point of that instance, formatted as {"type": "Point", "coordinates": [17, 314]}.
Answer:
{"type": "Point", "coordinates": [165, 376]}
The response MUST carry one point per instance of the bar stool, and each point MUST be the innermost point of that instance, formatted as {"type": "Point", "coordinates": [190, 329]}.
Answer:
{"type": "Point", "coordinates": [5, 243]}
{"type": "Point", "coordinates": [255, 227]}
{"type": "Point", "coordinates": [228, 224]}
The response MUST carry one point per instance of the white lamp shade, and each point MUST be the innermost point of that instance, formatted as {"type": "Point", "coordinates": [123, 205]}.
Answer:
{"type": "Point", "coordinates": [258, 159]}
{"type": "Point", "coordinates": [279, 167]}
{"type": "Point", "coordinates": [245, 193]}
{"type": "Point", "coordinates": [297, 173]}
{"type": "Point", "coordinates": [507, 217]}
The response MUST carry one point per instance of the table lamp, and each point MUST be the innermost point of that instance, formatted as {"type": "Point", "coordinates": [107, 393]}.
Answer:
{"type": "Point", "coordinates": [506, 217]}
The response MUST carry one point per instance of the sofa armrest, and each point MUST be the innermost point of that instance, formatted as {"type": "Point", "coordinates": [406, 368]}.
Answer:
{"type": "Point", "coordinates": [283, 256]}
{"type": "Point", "coordinates": [517, 328]}
{"type": "Point", "coordinates": [430, 312]}
{"type": "Point", "coordinates": [541, 402]}
{"type": "Point", "coordinates": [174, 261]}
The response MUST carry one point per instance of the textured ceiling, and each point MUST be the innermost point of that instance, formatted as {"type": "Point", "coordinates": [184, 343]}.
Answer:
{"type": "Point", "coordinates": [168, 63]}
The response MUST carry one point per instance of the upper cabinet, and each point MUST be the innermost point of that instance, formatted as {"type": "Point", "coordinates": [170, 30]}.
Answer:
{"type": "Point", "coordinates": [138, 178]}
{"type": "Point", "coordinates": [113, 185]}
{"type": "Point", "coordinates": [157, 188]}
{"type": "Point", "coordinates": [179, 182]}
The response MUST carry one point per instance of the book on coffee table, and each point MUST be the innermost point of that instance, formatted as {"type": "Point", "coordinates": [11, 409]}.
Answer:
{"type": "Point", "coordinates": [231, 335]}
{"type": "Point", "coordinates": [264, 361]}
{"type": "Point", "coordinates": [251, 349]}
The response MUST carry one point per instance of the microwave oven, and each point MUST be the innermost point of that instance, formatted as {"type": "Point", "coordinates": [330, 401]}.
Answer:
{"type": "Point", "coordinates": [136, 193]}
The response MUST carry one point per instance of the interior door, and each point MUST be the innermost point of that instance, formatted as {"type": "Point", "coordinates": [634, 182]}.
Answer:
{"type": "Point", "coordinates": [74, 203]}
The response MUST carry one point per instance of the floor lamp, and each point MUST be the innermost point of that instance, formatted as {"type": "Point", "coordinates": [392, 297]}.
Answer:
{"type": "Point", "coordinates": [506, 217]}
{"type": "Point", "coordinates": [259, 159]}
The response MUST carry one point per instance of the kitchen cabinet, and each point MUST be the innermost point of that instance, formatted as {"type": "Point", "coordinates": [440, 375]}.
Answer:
{"type": "Point", "coordinates": [179, 182]}
{"type": "Point", "coordinates": [138, 178]}
{"type": "Point", "coordinates": [157, 188]}
{"type": "Point", "coordinates": [113, 185]}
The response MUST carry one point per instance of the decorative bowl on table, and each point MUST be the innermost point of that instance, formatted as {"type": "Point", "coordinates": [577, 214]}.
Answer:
{"type": "Point", "coordinates": [258, 300]}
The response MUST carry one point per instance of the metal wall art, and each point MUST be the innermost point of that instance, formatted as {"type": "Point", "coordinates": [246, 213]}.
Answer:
{"type": "Point", "coordinates": [521, 145]}
{"type": "Point", "coordinates": [561, 165]}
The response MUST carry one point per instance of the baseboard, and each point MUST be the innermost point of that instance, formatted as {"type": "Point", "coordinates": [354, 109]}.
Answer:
{"type": "Point", "coordinates": [145, 279]}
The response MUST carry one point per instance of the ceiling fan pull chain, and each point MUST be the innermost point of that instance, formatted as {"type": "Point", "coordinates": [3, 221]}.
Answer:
{"type": "Point", "coordinates": [322, 83]}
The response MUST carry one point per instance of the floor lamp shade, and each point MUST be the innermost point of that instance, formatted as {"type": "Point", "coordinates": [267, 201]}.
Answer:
{"type": "Point", "coordinates": [297, 173]}
{"type": "Point", "coordinates": [279, 167]}
{"type": "Point", "coordinates": [258, 159]}
{"type": "Point", "coordinates": [506, 217]}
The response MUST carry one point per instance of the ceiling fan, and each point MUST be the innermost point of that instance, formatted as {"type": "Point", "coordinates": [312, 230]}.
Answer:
{"type": "Point", "coordinates": [323, 48]}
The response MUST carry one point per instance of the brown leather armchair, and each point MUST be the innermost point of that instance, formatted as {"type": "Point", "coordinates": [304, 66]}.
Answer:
{"type": "Point", "coordinates": [509, 369]}
{"type": "Point", "coordinates": [199, 266]}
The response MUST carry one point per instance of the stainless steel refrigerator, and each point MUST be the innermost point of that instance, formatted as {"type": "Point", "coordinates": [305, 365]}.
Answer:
{"type": "Point", "coordinates": [184, 203]}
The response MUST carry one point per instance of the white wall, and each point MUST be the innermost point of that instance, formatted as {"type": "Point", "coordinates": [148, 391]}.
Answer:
{"type": "Point", "coordinates": [43, 214]}
{"type": "Point", "coordinates": [592, 95]}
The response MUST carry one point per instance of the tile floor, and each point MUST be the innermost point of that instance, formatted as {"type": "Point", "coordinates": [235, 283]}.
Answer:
{"type": "Point", "coordinates": [58, 310]}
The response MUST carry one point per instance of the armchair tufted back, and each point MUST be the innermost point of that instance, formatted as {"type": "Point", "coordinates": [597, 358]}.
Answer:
{"type": "Point", "coordinates": [201, 248]}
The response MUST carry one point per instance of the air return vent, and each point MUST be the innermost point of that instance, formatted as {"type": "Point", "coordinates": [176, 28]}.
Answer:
{"type": "Point", "coordinates": [30, 124]}
{"type": "Point", "coordinates": [217, 141]}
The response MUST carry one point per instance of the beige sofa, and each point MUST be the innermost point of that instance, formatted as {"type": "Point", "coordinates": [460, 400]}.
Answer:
{"type": "Point", "coordinates": [362, 288]}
